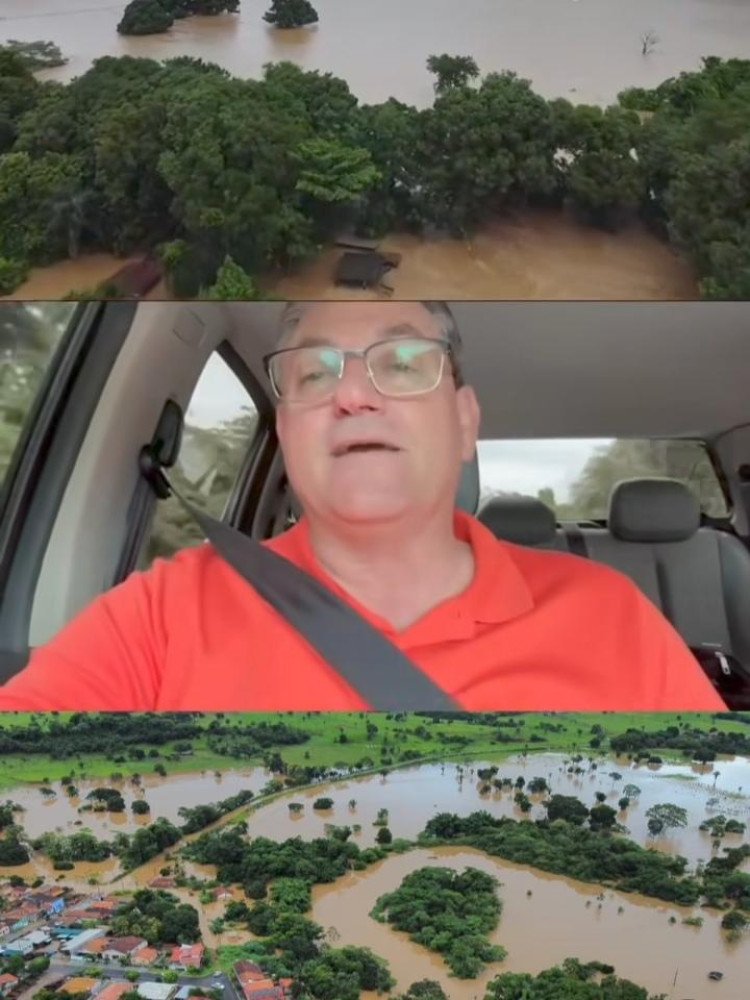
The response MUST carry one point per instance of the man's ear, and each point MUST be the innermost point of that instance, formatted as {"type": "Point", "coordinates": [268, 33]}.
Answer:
{"type": "Point", "coordinates": [469, 416]}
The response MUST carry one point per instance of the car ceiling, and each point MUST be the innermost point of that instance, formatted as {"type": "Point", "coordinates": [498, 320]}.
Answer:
{"type": "Point", "coordinates": [583, 369]}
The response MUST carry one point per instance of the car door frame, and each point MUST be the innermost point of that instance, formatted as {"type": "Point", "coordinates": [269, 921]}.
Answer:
{"type": "Point", "coordinates": [44, 458]}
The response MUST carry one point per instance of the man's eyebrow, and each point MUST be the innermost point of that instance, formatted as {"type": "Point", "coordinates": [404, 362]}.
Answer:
{"type": "Point", "coordinates": [404, 329]}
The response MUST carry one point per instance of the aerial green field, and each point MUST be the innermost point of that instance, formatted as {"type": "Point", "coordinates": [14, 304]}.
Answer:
{"type": "Point", "coordinates": [341, 739]}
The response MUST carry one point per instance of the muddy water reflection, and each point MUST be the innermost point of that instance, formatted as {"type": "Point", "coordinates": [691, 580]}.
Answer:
{"type": "Point", "coordinates": [585, 52]}
{"type": "Point", "coordinates": [164, 795]}
{"type": "Point", "coordinates": [415, 794]}
{"type": "Point", "coordinates": [560, 918]}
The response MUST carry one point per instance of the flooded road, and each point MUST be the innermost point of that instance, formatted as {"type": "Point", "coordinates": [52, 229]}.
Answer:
{"type": "Point", "coordinates": [587, 50]}
{"type": "Point", "coordinates": [561, 918]}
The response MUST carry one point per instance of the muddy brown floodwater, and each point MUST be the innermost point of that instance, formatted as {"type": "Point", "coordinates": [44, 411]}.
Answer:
{"type": "Point", "coordinates": [534, 255]}
{"type": "Point", "coordinates": [560, 919]}
{"type": "Point", "coordinates": [546, 918]}
{"type": "Point", "coordinates": [588, 51]}
{"type": "Point", "coordinates": [165, 796]}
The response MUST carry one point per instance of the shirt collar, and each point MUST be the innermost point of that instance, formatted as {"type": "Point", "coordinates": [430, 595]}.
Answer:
{"type": "Point", "coordinates": [498, 593]}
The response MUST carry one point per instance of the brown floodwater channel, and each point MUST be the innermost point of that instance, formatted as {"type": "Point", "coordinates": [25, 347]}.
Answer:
{"type": "Point", "coordinates": [545, 920]}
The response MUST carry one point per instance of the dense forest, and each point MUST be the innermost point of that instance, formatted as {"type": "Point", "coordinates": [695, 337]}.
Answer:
{"type": "Point", "coordinates": [182, 159]}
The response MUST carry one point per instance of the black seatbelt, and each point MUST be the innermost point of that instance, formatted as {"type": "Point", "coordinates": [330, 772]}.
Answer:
{"type": "Point", "coordinates": [575, 540]}
{"type": "Point", "coordinates": [363, 656]}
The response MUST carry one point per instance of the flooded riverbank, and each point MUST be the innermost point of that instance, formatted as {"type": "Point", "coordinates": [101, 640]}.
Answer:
{"type": "Point", "coordinates": [545, 919]}
{"type": "Point", "coordinates": [586, 52]}
{"type": "Point", "coordinates": [413, 795]}
{"type": "Point", "coordinates": [534, 255]}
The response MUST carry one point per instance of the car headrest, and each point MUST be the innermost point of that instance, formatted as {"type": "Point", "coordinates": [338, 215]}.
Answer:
{"type": "Point", "coordinates": [467, 496]}
{"type": "Point", "coordinates": [523, 520]}
{"type": "Point", "coordinates": [653, 510]}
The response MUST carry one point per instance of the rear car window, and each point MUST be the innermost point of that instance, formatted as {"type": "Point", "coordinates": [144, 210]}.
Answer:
{"type": "Point", "coordinates": [575, 477]}
{"type": "Point", "coordinates": [220, 425]}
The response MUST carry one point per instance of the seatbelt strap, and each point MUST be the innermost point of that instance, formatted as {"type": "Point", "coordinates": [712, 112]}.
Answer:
{"type": "Point", "coordinates": [575, 540]}
{"type": "Point", "coordinates": [386, 678]}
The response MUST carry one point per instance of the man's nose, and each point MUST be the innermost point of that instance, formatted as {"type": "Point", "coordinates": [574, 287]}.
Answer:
{"type": "Point", "coordinates": [354, 390]}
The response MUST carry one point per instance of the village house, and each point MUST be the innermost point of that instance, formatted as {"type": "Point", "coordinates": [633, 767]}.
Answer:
{"type": "Point", "coordinates": [113, 991]}
{"type": "Point", "coordinates": [122, 947]}
{"type": "Point", "coordinates": [94, 949]}
{"type": "Point", "coordinates": [74, 946]}
{"type": "Point", "coordinates": [156, 991]}
{"type": "Point", "coordinates": [79, 984]}
{"type": "Point", "coordinates": [145, 956]}
{"type": "Point", "coordinates": [258, 985]}
{"type": "Point", "coordinates": [8, 982]}
{"type": "Point", "coordinates": [162, 882]}
{"type": "Point", "coordinates": [186, 956]}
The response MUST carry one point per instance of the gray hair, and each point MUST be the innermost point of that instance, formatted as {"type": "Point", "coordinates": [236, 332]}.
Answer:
{"type": "Point", "coordinates": [293, 312]}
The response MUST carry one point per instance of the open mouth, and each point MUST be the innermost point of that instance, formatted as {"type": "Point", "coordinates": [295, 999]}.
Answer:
{"type": "Point", "coordinates": [362, 446]}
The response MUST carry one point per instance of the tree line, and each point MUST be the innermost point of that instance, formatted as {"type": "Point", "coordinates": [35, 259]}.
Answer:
{"type": "Point", "coordinates": [107, 734]}
{"type": "Point", "coordinates": [182, 159]}
{"type": "Point", "coordinates": [694, 743]}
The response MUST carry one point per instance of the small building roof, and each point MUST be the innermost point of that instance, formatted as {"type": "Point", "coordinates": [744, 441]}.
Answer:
{"type": "Point", "coordinates": [359, 269]}
{"type": "Point", "coordinates": [113, 991]}
{"type": "Point", "coordinates": [156, 991]}
{"type": "Point", "coordinates": [79, 984]}
{"type": "Point", "coordinates": [188, 954]}
{"type": "Point", "coordinates": [145, 956]}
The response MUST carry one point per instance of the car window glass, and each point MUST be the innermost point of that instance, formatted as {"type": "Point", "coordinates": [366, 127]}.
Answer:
{"type": "Point", "coordinates": [220, 424]}
{"type": "Point", "coordinates": [576, 477]}
{"type": "Point", "coordinates": [30, 333]}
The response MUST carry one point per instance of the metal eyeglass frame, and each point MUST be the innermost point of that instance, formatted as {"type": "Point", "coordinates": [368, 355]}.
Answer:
{"type": "Point", "coordinates": [362, 353]}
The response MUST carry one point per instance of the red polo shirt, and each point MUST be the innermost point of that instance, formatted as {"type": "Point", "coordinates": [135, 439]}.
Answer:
{"type": "Point", "coordinates": [535, 631]}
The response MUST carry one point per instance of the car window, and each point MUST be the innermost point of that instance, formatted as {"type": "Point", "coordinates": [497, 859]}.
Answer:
{"type": "Point", "coordinates": [30, 333]}
{"type": "Point", "coordinates": [220, 425]}
{"type": "Point", "coordinates": [575, 477]}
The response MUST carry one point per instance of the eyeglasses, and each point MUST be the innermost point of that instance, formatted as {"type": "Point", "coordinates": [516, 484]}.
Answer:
{"type": "Point", "coordinates": [397, 367]}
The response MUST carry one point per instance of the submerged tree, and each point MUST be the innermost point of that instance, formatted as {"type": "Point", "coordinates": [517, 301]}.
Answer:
{"type": "Point", "coordinates": [145, 17]}
{"type": "Point", "coordinates": [291, 14]}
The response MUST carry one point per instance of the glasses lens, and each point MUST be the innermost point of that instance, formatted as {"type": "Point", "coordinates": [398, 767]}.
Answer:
{"type": "Point", "coordinates": [406, 367]}
{"type": "Point", "coordinates": [305, 373]}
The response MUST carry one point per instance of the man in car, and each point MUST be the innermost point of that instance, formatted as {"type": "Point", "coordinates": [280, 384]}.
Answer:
{"type": "Point", "coordinates": [374, 422]}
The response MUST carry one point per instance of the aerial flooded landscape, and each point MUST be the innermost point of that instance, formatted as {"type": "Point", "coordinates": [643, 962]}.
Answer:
{"type": "Point", "coordinates": [411, 855]}
{"type": "Point", "coordinates": [486, 149]}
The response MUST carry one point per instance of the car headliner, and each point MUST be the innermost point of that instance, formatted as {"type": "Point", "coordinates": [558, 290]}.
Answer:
{"type": "Point", "coordinates": [585, 369]}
